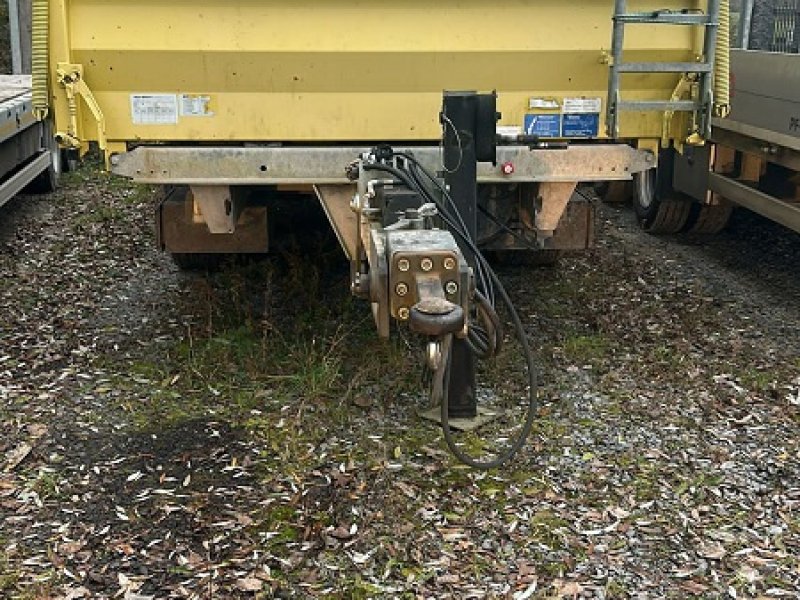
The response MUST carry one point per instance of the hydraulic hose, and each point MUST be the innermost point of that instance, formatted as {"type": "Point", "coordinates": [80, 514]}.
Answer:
{"type": "Point", "coordinates": [722, 62]}
{"type": "Point", "coordinates": [40, 24]}
{"type": "Point", "coordinates": [452, 218]}
{"type": "Point", "coordinates": [533, 402]}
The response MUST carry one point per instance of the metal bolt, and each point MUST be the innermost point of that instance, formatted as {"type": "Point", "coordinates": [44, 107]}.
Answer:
{"type": "Point", "coordinates": [449, 263]}
{"type": "Point", "coordinates": [403, 265]}
{"type": "Point", "coordinates": [401, 289]}
{"type": "Point", "coordinates": [451, 288]}
{"type": "Point", "coordinates": [403, 313]}
{"type": "Point", "coordinates": [426, 264]}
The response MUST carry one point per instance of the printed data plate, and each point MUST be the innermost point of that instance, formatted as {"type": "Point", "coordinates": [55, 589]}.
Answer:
{"type": "Point", "coordinates": [195, 106]}
{"type": "Point", "coordinates": [581, 125]}
{"type": "Point", "coordinates": [543, 125]}
{"type": "Point", "coordinates": [154, 109]}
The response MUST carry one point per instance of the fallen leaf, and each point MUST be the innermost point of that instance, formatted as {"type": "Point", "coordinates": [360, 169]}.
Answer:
{"type": "Point", "coordinates": [37, 430]}
{"type": "Point", "coordinates": [711, 551]}
{"type": "Point", "coordinates": [694, 587]}
{"type": "Point", "coordinates": [17, 455]}
{"type": "Point", "coordinates": [249, 584]}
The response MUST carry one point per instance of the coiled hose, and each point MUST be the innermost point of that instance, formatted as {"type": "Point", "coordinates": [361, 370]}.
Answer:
{"type": "Point", "coordinates": [481, 345]}
{"type": "Point", "coordinates": [40, 25]}
{"type": "Point", "coordinates": [722, 63]}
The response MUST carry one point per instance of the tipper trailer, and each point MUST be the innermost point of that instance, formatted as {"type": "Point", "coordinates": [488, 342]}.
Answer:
{"type": "Point", "coordinates": [228, 103]}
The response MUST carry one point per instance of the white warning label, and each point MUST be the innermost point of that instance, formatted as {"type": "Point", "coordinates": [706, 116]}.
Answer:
{"type": "Point", "coordinates": [581, 105]}
{"type": "Point", "coordinates": [154, 109]}
{"type": "Point", "coordinates": [195, 106]}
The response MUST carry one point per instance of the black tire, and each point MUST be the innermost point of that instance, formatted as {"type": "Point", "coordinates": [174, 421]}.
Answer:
{"type": "Point", "coordinates": [656, 210]}
{"type": "Point", "coordinates": [613, 192]}
{"type": "Point", "coordinates": [709, 219]}
{"type": "Point", "coordinates": [47, 181]}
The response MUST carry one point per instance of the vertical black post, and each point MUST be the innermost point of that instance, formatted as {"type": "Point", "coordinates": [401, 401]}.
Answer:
{"type": "Point", "coordinates": [459, 122]}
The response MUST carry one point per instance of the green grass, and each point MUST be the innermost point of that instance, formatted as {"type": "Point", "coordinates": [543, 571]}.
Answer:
{"type": "Point", "coordinates": [586, 348]}
{"type": "Point", "coordinates": [263, 336]}
{"type": "Point", "coordinates": [758, 380]}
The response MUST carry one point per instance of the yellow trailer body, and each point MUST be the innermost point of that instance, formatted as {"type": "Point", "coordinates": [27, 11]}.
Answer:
{"type": "Point", "coordinates": [429, 132]}
{"type": "Point", "coordinates": [330, 71]}
{"type": "Point", "coordinates": [219, 95]}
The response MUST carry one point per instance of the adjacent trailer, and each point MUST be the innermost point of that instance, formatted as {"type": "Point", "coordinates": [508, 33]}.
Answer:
{"type": "Point", "coordinates": [29, 157]}
{"type": "Point", "coordinates": [754, 160]}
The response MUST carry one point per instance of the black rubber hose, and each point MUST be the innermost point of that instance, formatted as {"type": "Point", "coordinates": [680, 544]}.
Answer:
{"type": "Point", "coordinates": [484, 283]}
{"type": "Point", "coordinates": [486, 343]}
{"type": "Point", "coordinates": [443, 213]}
{"type": "Point", "coordinates": [519, 330]}
{"type": "Point", "coordinates": [533, 403]}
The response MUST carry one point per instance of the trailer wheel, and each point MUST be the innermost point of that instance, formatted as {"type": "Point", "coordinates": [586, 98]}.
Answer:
{"type": "Point", "coordinates": [47, 180]}
{"type": "Point", "coordinates": [709, 218]}
{"type": "Point", "coordinates": [657, 211]}
{"type": "Point", "coordinates": [612, 192]}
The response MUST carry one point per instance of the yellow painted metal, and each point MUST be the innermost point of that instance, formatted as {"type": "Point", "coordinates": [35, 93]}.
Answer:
{"type": "Point", "coordinates": [70, 77]}
{"type": "Point", "coordinates": [40, 20]}
{"type": "Point", "coordinates": [722, 63]}
{"type": "Point", "coordinates": [336, 70]}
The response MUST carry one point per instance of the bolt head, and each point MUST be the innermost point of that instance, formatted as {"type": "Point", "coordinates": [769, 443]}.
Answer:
{"type": "Point", "coordinates": [401, 289]}
{"type": "Point", "coordinates": [451, 288]}
{"type": "Point", "coordinates": [403, 313]}
{"type": "Point", "coordinates": [403, 265]}
{"type": "Point", "coordinates": [449, 263]}
{"type": "Point", "coordinates": [426, 264]}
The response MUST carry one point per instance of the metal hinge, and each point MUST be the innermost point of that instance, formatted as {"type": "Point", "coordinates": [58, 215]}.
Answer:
{"type": "Point", "coordinates": [70, 76]}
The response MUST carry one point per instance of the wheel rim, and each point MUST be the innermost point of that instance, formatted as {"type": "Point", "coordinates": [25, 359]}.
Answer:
{"type": "Point", "coordinates": [645, 188]}
{"type": "Point", "coordinates": [55, 159]}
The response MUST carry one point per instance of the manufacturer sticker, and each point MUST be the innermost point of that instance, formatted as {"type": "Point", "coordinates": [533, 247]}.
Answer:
{"type": "Point", "coordinates": [154, 109]}
{"type": "Point", "coordinates": [581, 125]}
{"type": "Point", "coordinates": [195, 106]}
{"type": "Point", "coordinates": [581, 118]}
{"type": "Point", "coordinates": [543, 103]}
{"type": "Point", "coordinates": [582, 105]}
{"type": "Point", "coordinates": [543, 125]}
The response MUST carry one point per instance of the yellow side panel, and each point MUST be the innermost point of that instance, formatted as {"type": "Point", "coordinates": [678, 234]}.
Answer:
{"type": "Point", "coordinates": [335, 70]}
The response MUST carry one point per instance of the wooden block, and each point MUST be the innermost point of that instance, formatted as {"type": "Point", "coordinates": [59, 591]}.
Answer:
{"type": "Point", "coordinates": [752, 167]}
{"type": "Point", "coordinates": [723, 159]}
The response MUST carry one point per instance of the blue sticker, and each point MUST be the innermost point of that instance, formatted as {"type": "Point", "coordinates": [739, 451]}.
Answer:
{"type": "Point", "coordinates": [581, 125]}
{"type": "Point", "coordinates": [543, 126]}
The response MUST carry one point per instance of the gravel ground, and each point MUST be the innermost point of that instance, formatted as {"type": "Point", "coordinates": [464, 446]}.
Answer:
{"type": "Point", "coordinates": [244, 434]}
